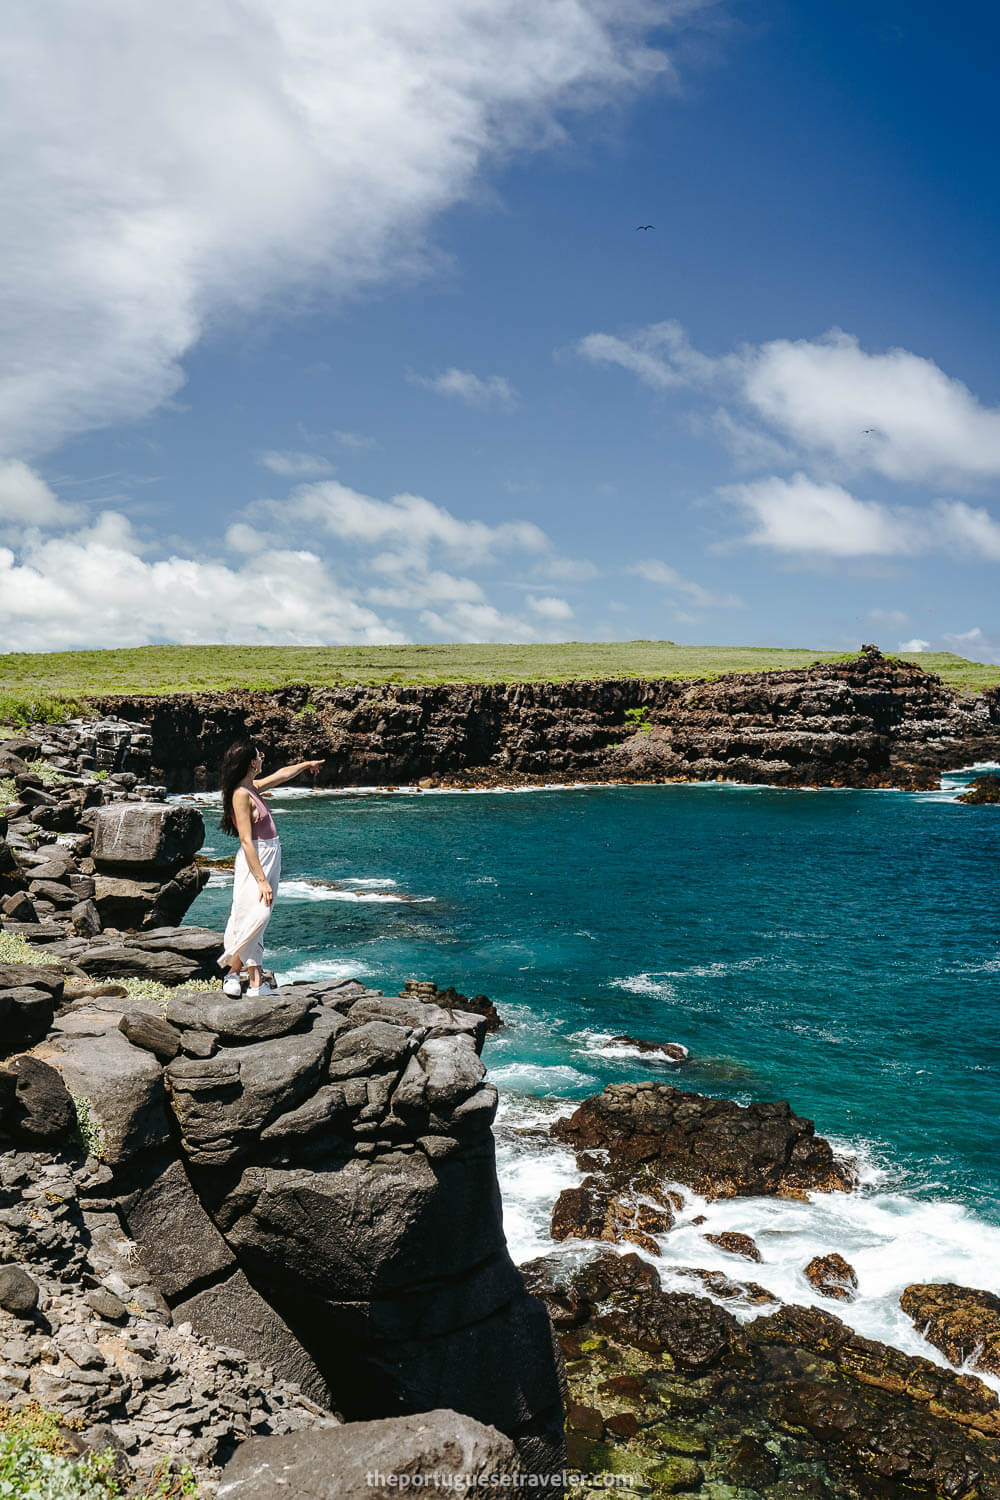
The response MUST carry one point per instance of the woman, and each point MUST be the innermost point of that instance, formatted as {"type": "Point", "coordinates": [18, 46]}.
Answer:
{"type": "Point", "coordinates": [247, 816]}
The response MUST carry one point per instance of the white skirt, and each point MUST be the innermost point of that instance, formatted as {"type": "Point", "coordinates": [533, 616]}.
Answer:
{"type": "Point", "coordinates": [250, 915]}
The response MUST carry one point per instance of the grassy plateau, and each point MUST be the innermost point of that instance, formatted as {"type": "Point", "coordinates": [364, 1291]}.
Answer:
{"type": "Point", "coordinates": [48, 685]}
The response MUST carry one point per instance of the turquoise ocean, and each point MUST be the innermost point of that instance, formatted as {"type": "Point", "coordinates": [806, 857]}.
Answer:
{"type": "Point", "coordinates": [839, 949]}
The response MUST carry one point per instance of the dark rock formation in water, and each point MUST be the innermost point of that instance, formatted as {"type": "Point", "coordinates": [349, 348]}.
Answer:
{"type": "Point", "coordinates": [671, 1388]}
{"type": "Point", "coordinates": [959, 1320]}
{"type": "Point", "coordinates": [312, 1175]}
{"type": "Point", "coordinates": [865, 721]}
{"type": "Point", "coordinates": [832, 1276]}
{"type": "Point", "coordinates": [647, 1131]}
{"type": "Point", "coordinates": [985, 789]}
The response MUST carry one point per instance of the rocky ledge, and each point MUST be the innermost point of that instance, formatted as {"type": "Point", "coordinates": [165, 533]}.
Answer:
{"type": "Point", "coordinates": [634, 1137]}
{"type": "Point", "coordinates": [316, 1171]}
{"type": "Point", "coordinates": [669, 1388]}
{"type": "Point", "coordinates": [866, 721]}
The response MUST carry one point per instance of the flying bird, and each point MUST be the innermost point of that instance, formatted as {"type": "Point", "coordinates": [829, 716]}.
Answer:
{"type": "Point", "coordinates": [645, 226]}
{"type": "Point", "coordinates": [869, 431]}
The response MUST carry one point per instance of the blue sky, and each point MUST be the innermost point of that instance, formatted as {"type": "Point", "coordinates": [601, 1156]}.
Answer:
{"type": "Point", "coordinates": [328, 322]}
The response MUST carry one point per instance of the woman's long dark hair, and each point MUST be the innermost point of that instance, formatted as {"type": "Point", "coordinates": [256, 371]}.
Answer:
{"type": "Point", "coordinates": [235, 764]}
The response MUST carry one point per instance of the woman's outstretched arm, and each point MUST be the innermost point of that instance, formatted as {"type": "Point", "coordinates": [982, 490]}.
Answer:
{"type": "Point", "coordinates": [287, 773]}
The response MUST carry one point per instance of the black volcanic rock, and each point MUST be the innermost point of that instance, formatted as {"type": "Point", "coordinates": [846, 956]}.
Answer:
{"type": "Point", "coordinates": [865, 721]}
{"type": "Point", "coordinates": [719, 1148]}
{"type": "Point", "coordinates": [985, 789]}
{"type": "Point", "coordinates": [678, 1393]}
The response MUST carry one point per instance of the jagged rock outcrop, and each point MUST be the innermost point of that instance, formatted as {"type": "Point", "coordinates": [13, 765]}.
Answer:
{"type": "Point", "coordinates": [832, 1276]}
{"type": "Point", "coordinates": [865, 721]}
{"type": "Point", "coordinates": [316, 1169]}
{"type": "Point", "coordinates": [86, 1334]}
{"type": "Point", "coordinates": [671, 1388]}
{"type": "Point", "coordinates": [961, 1321]}
{"type": "Point", "coordinates": [984, 790]}
{"type": "Point", "coordinates": [635, 1134]}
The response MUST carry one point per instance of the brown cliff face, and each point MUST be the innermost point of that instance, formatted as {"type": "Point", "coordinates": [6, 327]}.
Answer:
{"type": "Point", "coordinates": [865, 722]}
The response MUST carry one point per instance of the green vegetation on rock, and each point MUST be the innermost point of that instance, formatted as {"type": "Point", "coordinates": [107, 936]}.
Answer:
{"type": "Point", "coordinates": [50, 685]}
{"type": "Point", "coordinates": [17, 950]}
{"type": "Point", "coordinates": [38, 1463]}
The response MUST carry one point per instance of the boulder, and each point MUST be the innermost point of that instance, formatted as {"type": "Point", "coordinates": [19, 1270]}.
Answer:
{"type": "Point", "coordinates": [19, 907]}
{"type": "Point", "coordinates": [85, 919]}
{"type": "Point", "coordinates": [246, 1020]}
{"type": "Point", "coordinates": [180, 1246]}
{"type": "Point", "coordinates": [124, 903]}
{"type": "Point", "coordinates": [43, 1111]}
{"type": "Point", "coordinates": [175, 897]}
{"type": "Point", "coordinates": [717, 1147]}
{"type": "Point", "coordinates": [121, 1084]}
{"type": "Point", "coordinates": [832, 1276]}
{"type": "Point", "coordinates": [145, 837]}
{"type": "Point", "coordinates": [18, 1292]}
{"type": "Point", "coordinates": [424, 1451]}
{"type": "Point", "coordinates": [110, 960]}
{"type": "Point", "coordinates": [594, 1210]}
{"type": "Point", "coordinates": [152, 1033]}
{"type": "Point", "coordinates": [26, 1012]}
{"type": "Point", "coordinates": [962, 1322]}
{"type": "Point", "coordinates": [222, 1103]}
{"type": "Point", "coordinates": [232, 1312]}
{"type": "Point", "coordinates": [985, 789]}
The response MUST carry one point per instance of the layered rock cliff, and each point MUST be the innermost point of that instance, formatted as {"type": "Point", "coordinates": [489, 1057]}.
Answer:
{"type": "Point", "coordinates": [312, 1176]}
{"type": "Point", "coordinates": [867, 721]}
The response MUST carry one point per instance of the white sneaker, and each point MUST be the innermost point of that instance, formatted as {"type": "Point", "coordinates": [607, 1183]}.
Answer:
{"type": "Point", "coordinates": [232, 987]}
{"type": "Point", "coordinates": [265, 989]}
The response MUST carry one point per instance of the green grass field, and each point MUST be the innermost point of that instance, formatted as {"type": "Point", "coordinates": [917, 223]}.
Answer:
{"type": "Point", "coordinates": [52, 680]}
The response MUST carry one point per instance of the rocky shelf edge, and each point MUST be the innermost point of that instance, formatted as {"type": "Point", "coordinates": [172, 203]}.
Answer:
{"type": "Point", "coordinates": [868, 722]}
{"type": "Point", "coordinates": [310, 1175]}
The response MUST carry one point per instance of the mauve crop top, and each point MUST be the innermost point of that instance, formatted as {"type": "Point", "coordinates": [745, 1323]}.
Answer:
{"type": "Point", "coordinates": [264, 827]}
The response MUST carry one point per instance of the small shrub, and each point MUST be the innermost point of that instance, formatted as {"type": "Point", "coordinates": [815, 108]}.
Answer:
{"type": "Point", "coordinates": [17, 950]}
{"type": "Point", "coordinates": [8, 791]}
{"type": "Point", "coordinates": [89, 1130]}
{"type": "Point", "coordinates": [45, 772]}
{"type": "Point", "coordinates": [35, 1462]}
{"type": "Point", "coordinates": [639, 718]}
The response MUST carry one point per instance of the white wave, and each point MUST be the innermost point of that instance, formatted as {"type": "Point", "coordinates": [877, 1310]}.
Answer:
{"type": "Point", "coordinates": [533, 1170]}
{"type": "Point", "coordinates": [219, 878]}
{"type": "Point", "coordinates": [890, 1238]}
{"type": "Point", "coordinates": [309, 890]}
{"type": "Point", "coordinates": [323, 968]}
{"type": "Point", "coordinates": [370, 884]}
{"type": "Point", "coordinates": [600, 1044]}
{"type": "Point", "coordinates": [540, 1078]}
{"type": "Point", "coordinates": [647, 984]}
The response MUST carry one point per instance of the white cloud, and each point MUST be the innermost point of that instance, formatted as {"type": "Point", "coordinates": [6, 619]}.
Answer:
{"type": "Point", "coordinates": [551, 608]}
{"type": "Point", "coordinates": [407, 521]}
{"type": "Point", "coordinates": [26, 500]}
{"type": "Point", "coordinates": [661, 573]}
{"type": "Point", "coordinates": [462, 385]}
{"type": "Point", "coordinates": [801, 515]}
{"type": "Point", "coordinates": [92, 589]}
{"type": "Point", "coordinates": [808, 516]}
{"type": "Point", "coordinates": [915, 645]}
{"type": "Point", "coordinates": [173, 164]}
{"type": "Point", "coordinates": [355, 440]}
{"type": "Point", "coordinates": [99, 585]}
{"type": "Point", "coordinates": [295, 465]}
{"type": "Point", "coordinates": [570, 569]}
{"type": "Point", "coordinates": [477, 622]}
{"type": "Point", "coordinates": [894, 413]}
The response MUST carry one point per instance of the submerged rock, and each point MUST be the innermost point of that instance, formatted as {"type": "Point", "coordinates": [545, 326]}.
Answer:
{"type": "Point", "coordinates": [983, 790]}
{"type": "Point", "coordinates": [670, 1052]}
